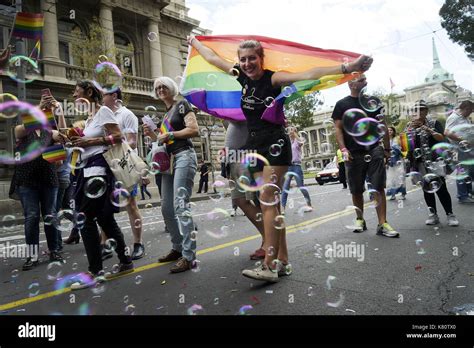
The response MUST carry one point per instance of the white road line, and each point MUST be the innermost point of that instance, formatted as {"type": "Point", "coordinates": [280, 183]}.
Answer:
{"type": "Point", "coordinates": [19, 237]}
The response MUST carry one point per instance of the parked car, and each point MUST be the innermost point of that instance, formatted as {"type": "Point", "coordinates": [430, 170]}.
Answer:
{"type": "Point", "coordinates": [330, 173]}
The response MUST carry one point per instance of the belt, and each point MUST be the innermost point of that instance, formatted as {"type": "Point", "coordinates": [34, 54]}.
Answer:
{"type": "Point", "coordinates": [295, 163]}
{"type": "Point", "coordinates": [181, 149]}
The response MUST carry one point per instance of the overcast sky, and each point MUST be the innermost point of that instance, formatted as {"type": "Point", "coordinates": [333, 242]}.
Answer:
{"type": "Point", "coordinates": [397, 33]}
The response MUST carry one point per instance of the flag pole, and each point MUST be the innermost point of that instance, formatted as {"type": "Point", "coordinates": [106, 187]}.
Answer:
{"type": "Point", "coordinates": [20, 51]}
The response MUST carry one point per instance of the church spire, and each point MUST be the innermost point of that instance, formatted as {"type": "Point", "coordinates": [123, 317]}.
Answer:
{"type": "Point", "coordinates": [436, 63]}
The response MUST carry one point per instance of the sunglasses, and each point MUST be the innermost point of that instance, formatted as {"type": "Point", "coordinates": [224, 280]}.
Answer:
{"type": "Point", "coordinates": [161, 87]}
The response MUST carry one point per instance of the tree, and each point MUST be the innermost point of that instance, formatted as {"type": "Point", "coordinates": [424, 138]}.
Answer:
{"type": "Point", "coordinates": [88, 50]}
{"type": "Point", "coordinates": [458, 20]}
{"type": "Point", "coordinates": [391, 107]}
{"type": "Point", "coordinates": [300, 112]}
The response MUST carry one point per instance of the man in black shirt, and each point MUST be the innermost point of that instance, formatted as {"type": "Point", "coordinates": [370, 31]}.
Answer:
{"type": "Point", "coordinates": [204, 177]}
{"type": "Point", "coordinates": [363, 159]}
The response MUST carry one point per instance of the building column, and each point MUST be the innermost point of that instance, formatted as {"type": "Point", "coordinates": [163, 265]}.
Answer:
{"type": "Point", "coordinates": [50, 44]}
{"type": "Point", "coordinates": [311, 147]}
{"type": "Point", "coordinates": [106, 22]}
{"type": "Point", "coordinates": [156, 65]}
{"type": "Point", "coordinates": [53, 68]}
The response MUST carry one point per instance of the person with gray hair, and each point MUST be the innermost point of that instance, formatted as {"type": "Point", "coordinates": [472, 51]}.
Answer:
{"type": "Point", "coordinates": [176, 189]}
{"type": "Point", "coordinates": [456, 128]}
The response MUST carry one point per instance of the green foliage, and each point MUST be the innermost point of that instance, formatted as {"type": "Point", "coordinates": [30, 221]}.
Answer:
{"type": "Point", "coordinates": [392, 107]}
{"type": "Point", "coordinates": [87, 49]}
{"type": "Point", "coordinates": [300, 112]}
{"type": "Point", "coordinates": [458, 20]}
{"type": "Point", "coordinates": [400, 127]}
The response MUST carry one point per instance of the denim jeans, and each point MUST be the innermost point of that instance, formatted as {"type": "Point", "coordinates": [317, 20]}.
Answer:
{"type": "Point", "coordinates": [465, 189]}
{"type": "Point", "coordinates": [176, 190]}
{"type": "Point", "coordinates": [62, 190]}
{"type": "Point", "coordinates": [299, 181]}
{"type": "Point", "coordinates": [98, 212]}
{"type": "Point", "coordinates": [35, 200]}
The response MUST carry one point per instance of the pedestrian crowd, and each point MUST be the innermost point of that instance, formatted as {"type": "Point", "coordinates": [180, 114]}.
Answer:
{"type": "Point", "coordinates": [85, 181]}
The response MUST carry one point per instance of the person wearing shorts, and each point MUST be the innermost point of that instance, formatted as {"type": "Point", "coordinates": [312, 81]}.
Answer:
{"type": "Point", "coordinates": [363, 161]}
{"type": "Point", "coordinates": [235, 138]}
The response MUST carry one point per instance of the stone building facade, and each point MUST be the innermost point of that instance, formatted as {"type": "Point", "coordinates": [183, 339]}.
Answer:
{"type": "Point", "coordinates": [125, 23]}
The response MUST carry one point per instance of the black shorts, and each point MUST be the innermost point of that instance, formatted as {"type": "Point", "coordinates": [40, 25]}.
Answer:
{"type": "Point", "coordinates": [273, 144]}
{"type": "Point", "coordinates": [358, 170]}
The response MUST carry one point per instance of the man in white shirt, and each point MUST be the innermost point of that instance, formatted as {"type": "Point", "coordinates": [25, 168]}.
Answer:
{"type": "Point", "coordinates": [128, 124]}
{"type": "Point", "coordinates": [459, 136]}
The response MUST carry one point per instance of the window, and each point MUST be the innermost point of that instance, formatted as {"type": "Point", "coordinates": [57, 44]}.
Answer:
{"type": "Point", "coordinates": [306, 149]}
{"type": "Point", "coordinates": [66, 27]}
{"type": "Point", "coordinates": [322, 135]}
{"type": "Point", "coordinates": [125, 54]}
{"type": "Point", "coordinates": [64, 54]}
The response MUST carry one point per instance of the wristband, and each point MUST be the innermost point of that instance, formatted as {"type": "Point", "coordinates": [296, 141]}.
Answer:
{"type": "Point", "coordinates": [171, 136]}
{"type": "Point", "coordinates": [111, 138]}
{"type": "Point", "coordinates": [344, 68]}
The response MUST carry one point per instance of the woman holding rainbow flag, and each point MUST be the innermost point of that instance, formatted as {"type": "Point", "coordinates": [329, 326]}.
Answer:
{"type": "Point", "coordinates": [260, 91]}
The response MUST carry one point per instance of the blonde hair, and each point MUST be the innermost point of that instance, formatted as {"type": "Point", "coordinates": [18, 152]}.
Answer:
{"type": "Point", "coordinates": [81, 124]}
{"type": "Point", "coordinates": [168, 82]}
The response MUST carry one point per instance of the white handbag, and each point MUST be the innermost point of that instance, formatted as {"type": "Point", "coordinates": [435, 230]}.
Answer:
{"type": "Point", "coordinates": [125, 164]}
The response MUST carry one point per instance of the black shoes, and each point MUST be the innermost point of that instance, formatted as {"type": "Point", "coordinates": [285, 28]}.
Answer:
{"type": "Point", "coordinates": [106, 253]}
{"type": "Point", "coordinates": [138, 251]}
{"type": "Point", "coordinates": [29, 264]}
{"type": "Point", "coordinates": [73, 238]}
{"type": "Point", "coordinates": [55, 257]}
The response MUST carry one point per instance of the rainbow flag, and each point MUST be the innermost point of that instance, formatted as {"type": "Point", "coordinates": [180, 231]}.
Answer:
{"type": "Point", "coordinates": [31, 123]}
{"type": "Point", "coordinates": [407, 142]}
{"type": "Point", "coordinates": [221, 97]}
{"type": "Point", "coordinates": [50, 118]}
{"type": "Point", "coordinates": [166, 128]}
{"type": "Point", "coordinates": [35, 52]}
{"type": "Point", "coordinates": [54, 153]}
{"type": "Point", "coordinates": [28, 25]}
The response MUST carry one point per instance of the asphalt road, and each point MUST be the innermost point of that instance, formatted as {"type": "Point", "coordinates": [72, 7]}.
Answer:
{"type": "Point", "coordinates": [427, 270]}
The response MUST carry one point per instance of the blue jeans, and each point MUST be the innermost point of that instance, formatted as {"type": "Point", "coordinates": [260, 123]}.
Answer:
{"type": "Point", "coordinates": [299, 181]}
{"type": "Point", "coordinates": [62, 190]}
{"type": "Point", "coordinates": [465, 189]}
{"type": "Point", "coordinates": [34, 200]}
{"type": "Point", "coordinates": [176, 190]}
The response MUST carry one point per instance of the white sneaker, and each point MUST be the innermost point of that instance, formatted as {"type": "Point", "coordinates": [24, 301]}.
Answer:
{"type": "Point", "coordinates": [307, 209]}
{"type": "Point", "coordinates": [262, 272]}
{"type": "Point", "coordinates": [89, 281]}
{"type": "Point", "coordinates": [233, 212]}
{"type": "Point", "coordinates": [433, 219]}
{"type": "Point", "coordinates": [452, 221]}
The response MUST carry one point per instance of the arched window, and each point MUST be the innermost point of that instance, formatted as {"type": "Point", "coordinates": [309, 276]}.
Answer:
{"type": "Point", "coordinates": [125, 54]}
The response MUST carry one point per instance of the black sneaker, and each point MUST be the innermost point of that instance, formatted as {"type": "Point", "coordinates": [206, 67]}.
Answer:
{"type": "Point", "coordinates": [138, 251]}
{"type": "Point", "coordinates": [106, 253]}
{"type": "Point", "coordinates": [29, 264]}
{"type": "Point", "coordinates": [55, 257]}
{"type": "Point", "coordinates": [124, 268]}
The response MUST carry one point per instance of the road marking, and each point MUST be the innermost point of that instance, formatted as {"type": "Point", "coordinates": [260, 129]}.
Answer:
{"type": "Point", "coordinates": [290, 229]}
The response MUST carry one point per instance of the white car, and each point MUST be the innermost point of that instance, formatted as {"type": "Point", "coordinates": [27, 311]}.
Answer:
{"type": "Point", "coordinates": [330, 173]}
